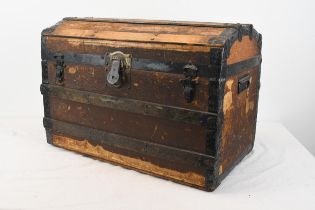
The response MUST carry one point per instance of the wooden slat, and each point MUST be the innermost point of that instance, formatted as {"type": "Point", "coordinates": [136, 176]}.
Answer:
{"type": "Point", "coordinates": [97, 151]}
{"type": "Point", "coordinates": [133, 37]}
{"type": "Point", "coordinates": [155, 22]}
{"type": "Point", "coordinates": [124, 44]}
{"type": "Point", "coordinates": [149, 28]}
{"type": "Point", "coordinates": [158, 87]}
{"type": "Point", "coordinates": [158, 130]}
{"type": "Point", "coordinates": [129, 105]}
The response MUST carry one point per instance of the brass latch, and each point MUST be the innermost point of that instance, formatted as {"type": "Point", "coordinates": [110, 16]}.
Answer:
{"type": "Point", "coordinates": [118, 68]}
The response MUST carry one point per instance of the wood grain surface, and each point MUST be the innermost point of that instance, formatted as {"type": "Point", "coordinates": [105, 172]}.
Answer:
{"type": "Point", "coordinates": [85, 147]}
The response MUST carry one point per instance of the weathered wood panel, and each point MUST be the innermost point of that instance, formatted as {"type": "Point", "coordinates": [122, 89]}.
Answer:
{"type": "Point", "coordinates": [150, 28]}
{"type": "Point", "coordinates": [161, 52]}
{"type": "Point", "coordinates": [162, 131]}
{"type": "Point", "coordinates": [134, 37]}
{"type": "Point", "coordinates": [242, 50]}
{"type": "Point", "coordinates": [240, 110]}
{"type": "Point", "coordinates": [84, 147]}
{"type": "Point", "coordinates": [156, 87]}
{"type": "Point", "coordinates": [154, 22]}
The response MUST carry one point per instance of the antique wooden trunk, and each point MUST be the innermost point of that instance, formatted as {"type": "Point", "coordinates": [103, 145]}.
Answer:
{"type": "Point", "coordinates": [177, 100]}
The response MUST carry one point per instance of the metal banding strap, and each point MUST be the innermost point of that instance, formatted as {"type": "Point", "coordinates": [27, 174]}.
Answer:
{"type": "Point", "coordinates": [137, 63]}
{"type": "Point", "coordinates": [209, 71]}
{"type": "Point", "coordinates": [236, 68]}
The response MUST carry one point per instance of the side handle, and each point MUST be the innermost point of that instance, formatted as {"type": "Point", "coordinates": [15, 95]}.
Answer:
{"type": "Point", "coordinates": [243, 83]}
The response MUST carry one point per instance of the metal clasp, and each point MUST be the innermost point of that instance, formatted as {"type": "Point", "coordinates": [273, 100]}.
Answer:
{"type": "Point", "coordinates": [119, 66]}
{"type": "Point", "coordinates": [190, 82]}
{"type": "Point", "coordinates": [113, 76]}
{"type": "Point", "coordinates": [60, 67]}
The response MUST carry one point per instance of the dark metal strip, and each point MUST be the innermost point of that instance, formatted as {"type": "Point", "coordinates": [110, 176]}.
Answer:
{"type": "Point", "coordinates": [135, 106]}
{"type": "Point", "coordinates": [236, 68]}
{"type": "Point", "coordinates": [111, 140]}
{"type": "Point", "coordinates": [44, 71]}
{"type": "Point", "coordinates": [153, 65]}
{"type": "Point", "coordinates": [137, 63]}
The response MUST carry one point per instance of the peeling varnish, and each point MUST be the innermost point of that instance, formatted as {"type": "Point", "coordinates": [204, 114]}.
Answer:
{"type": "Point", "coordinates": [228, 97]}
{"type": "Point", "coordinates": [97, 151]}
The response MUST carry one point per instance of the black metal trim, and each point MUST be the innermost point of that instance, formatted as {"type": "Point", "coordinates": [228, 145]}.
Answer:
{"type": "Point", "coordinates": [48, 135]}
{"type": "Point", "coordinates": [212, 180]}
{"type": "Point", "coordinates": [43, 48]}
{"type": "Point", "coordinates": [205, 119]}
{"type": "Point", "coordinates": [210, 71]}
{"type": "Point", "coordinates": [44, 71]}
{"type": "Point", "coordinates": [259, 41]}
{"type": "Point", "coordinates": [46, 103]}
{"type": "Point", "coordinates": [237, 68]}
{"type": "Point", "coordinates": [111, 140]}
{"type": "Point", "coordinates": [233, 34]}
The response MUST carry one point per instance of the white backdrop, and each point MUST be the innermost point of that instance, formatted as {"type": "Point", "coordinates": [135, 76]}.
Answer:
{"type": "Point", "coordinates": [288, 49]}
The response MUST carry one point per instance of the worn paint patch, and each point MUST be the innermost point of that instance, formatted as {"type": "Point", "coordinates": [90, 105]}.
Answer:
{"type": "Point", "coordinates": [249, 105]}
{"type": "Point", "coordinates": [239, 122]}
{"type": "Point", "coordinates": [220, 169]}
{"type": "Point", "coordinates": [98, 151]}
{"type": "Point", "coordinates": [228, 97]}
{"type": "Point", "coordinates": [72, 70]}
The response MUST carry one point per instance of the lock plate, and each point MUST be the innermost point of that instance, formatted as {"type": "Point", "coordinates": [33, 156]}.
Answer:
{"type": "Point", "coordinates": [118, 68]}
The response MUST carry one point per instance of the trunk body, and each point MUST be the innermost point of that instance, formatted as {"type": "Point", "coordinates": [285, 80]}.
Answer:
{"type": "Point", "coordinates": [177, 100]}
